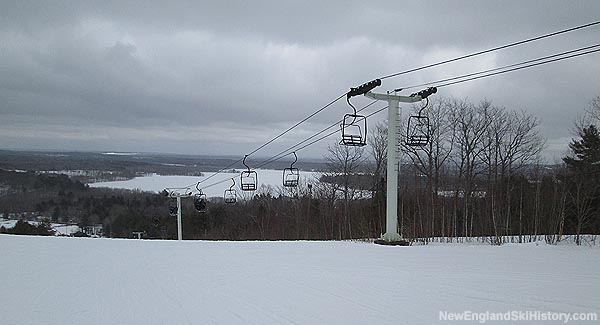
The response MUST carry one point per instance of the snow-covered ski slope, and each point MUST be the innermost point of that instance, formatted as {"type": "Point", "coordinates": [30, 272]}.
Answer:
{"type": "Point", "coordinates": [51, 280]}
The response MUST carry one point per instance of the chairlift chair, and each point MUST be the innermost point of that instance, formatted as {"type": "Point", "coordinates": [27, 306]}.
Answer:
{"type": "Point", "coordinates": [354, 129]}
{"type": "Point", "coordinates": [199, 200]}
{"type": "Point", "coordinates": [248, 178]}
{"type": "Point", "coordinates": [418, 130]}
{"type": "Point", "coordinates": [230, 195]}
{"type": "Point", "coordinates": [173, 207]}
{"type": "Point", "coordinates": [291, 175]}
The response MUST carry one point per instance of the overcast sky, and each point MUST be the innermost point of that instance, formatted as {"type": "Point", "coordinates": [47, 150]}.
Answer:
{"type": "Point", "coordinates": [224, 77]}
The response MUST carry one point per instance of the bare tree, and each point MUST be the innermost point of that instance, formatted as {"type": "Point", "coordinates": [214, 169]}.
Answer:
{"type": "Point", "coordinates": [494, 135]}
{"type": "Point", "coordinates": [512, 141]}
{"type": "Point", "coordinates": [344, 163]}
{"type": "Point", "coordinates": [471, 125]}
{"type": "Point", "coordinates": [430, 160]}
{"type": "Point", "coordinates": [522, 144]}
{"type": "Point", "coordinates": [379, 144]}
{"type": "Point", "coordinates": [583, 195]}
{"type": "Point", "coordinates": [594, 108]}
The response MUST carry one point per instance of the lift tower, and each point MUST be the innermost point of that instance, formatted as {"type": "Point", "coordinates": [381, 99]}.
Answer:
{"type": "Point", "coordinates": [391, 235]}
{"type": "Point", "coordinates": [178, 193]}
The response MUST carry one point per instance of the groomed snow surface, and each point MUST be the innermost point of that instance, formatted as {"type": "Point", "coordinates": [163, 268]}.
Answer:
{"type": "Point", "coordinates": [53, 280]}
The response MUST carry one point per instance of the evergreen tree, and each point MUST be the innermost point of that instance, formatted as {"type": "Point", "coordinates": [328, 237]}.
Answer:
{"type": "Point", "coordinates": [583, 188]}
{"type": "Point", "coordinates": [586, 151]}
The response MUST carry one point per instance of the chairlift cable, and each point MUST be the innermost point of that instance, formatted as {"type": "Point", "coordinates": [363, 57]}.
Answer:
{"type": "Point", "coordinates": [215, 173]}
{"type": "Point", "coordinates": [289, 150]}
{"type": "Point", "coordinates": [217, 183]}
{"type": "Point", "coordinates": [336, 131]}
{"type": "Point", "coordinates": [425, 67]}
{"type": "Point", "coordinates": [433, 65]}
{"type": "Point", "coordinates": [492, 49]}
{"type": "Point", "coordinates": [562, 57]}
{"type": "Point", "coordinates": [279, 156]}
{"type": "Point", "coordinates": [518, 68]}
{"type": "Point", "coordinates": [275, 158]}
{"type": "Point", "coordinates": [302, 147]}
{"type": "Point", "coordinates": [501, 68]}
{"type": "Point", "coordinates": [325, 136]}
{"type": "Point", "coordinates": [275, 138]}
{"type": "Point", "coordinates": [297, 124]}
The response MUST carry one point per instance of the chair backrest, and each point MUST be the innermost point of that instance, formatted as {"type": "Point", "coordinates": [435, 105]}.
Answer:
{"type": "Point", "coordinates": [230, 196]}
{"type": "Point", "coordinates": [291, 177]}
{"type": "Point", "coordinates": [248, 180]}
{"type": "Point", "coordinates": [354, 130]}
{"type": "Point", "coordinates": [418, 131]}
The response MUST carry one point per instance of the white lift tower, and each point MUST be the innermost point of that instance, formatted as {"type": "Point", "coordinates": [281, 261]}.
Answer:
{"type": "Point", "coordinates": [391, 235]}
{"type": "Point", "coordinates": [178, 193]}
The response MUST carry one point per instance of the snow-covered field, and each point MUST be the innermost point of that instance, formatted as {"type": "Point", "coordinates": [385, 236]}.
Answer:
{"type": "Point", "coordinates": [54, 280]}
{"type": "Point", "coordinates": [157, 183]}
{"type": "Point", "coordinates": [65, 229]}
{"type": "Point", "coordinates": [7, 223]}
{"type": "Point", "coordinates": [59, 228]}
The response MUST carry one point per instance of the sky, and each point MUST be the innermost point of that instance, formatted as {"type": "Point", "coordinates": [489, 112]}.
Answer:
{"type": "Point", "coordinates": [225, 77]}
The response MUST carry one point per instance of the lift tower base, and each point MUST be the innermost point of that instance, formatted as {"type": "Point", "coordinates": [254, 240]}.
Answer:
{"type": "Point", "coordinates": [400, 242]}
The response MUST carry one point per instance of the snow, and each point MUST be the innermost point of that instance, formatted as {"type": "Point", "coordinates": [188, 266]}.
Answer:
{"type": "Point", "coordinates": [120, 153]}
{"type": "Point", "coordinates": [6, 223]}
{"type": "Point", "coordinates": [59, 228]}
{"type": "Point", "coordinates": [65, 229]}
{"type": "Point", "coordinates": [157, 183]}
{"type": "Point", "coordinates": [58, 280]}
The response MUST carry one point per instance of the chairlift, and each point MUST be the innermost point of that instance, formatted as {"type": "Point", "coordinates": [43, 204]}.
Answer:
{"type": "Point", "coordinates": [230, 195]}
{"type": "Point", "coordinates": [200, 200]}
{"type": "Point", "coordinates": [248, 178]}
{"type": "Point", "coordinates": [354, 129]}
{"type": "Point", "coordinates": [417, 134]}
{"type": "Point", "coordinates": [173, 208]}
{"type": "Point", "coordinates": [291, 175]}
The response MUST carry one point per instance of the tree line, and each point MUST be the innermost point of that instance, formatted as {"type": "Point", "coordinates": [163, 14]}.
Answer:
{"type": "Point", "coordinates": [481, 174]}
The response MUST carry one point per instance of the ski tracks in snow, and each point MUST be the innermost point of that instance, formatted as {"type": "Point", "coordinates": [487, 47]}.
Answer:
{"type": "Point", "coordinates": [100, 281]}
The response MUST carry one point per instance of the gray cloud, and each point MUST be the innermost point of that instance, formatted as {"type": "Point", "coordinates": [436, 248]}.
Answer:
{"type": "Point", "coordinates": [226, 76]}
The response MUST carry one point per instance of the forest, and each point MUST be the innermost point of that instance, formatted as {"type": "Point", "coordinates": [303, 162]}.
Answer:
{"type": "Point", "coordinates": [480, 175]}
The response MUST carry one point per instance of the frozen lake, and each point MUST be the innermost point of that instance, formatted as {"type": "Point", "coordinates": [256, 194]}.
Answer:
{"type": "Point", "coordinates": [156, 183]}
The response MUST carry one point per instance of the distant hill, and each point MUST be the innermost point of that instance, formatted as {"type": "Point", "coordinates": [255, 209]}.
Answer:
{"type": "Point", "coordinates": [131, 164]}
